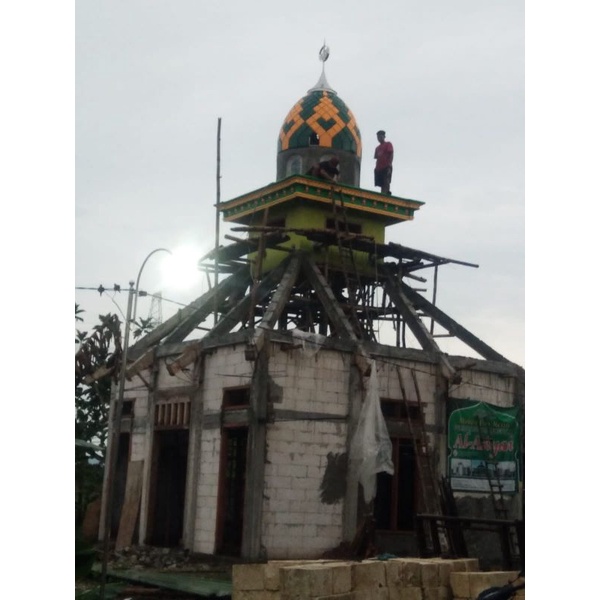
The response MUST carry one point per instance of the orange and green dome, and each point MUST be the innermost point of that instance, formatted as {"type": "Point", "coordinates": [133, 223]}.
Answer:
{"type": "Point", "coordinates": [324, 114]}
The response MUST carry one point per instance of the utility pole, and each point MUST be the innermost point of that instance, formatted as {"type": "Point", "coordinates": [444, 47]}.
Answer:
{"type": "Point", "coordinates": [217, 231]}
{"type": "Point", "coordinates": [114, 445]}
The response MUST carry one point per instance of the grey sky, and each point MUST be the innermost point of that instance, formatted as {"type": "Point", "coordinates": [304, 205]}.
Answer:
{"type": "Point", "coordinates": [444, 79]}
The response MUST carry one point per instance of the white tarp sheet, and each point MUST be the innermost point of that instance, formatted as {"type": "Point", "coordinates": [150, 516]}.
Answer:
{"type": "Point", "coordinates": [371, 447]}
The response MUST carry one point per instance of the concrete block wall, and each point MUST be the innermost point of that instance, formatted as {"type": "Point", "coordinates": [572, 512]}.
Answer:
{"type": "Point", "coordinates": [486, 387]}
{"type": "Point", "coordinates": [138, 392]}
{"type": "Point", "coordinates": [207, 492]}
{"type": "Point", "coordinates": [393, 579]}
{"type": "Point", "coordinates": [165, 380]}
{"type": "Point", "coordinates": [311, 382]}
{"type": "Point", "coordinates": [225, 368]}
{"type": "Point", "coordinates": [296, 520]}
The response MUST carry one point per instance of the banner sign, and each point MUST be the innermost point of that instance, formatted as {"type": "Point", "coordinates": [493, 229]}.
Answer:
{"type": "Point", "coordinates": [483, 447]}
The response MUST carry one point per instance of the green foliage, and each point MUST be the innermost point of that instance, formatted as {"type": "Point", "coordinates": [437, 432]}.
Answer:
{"type": "Point", "coordinates": [99, 349]}
{"type": "Point", "coordinates": [143, 326]}
{"type": "Point", "coordinates": [97, 365]}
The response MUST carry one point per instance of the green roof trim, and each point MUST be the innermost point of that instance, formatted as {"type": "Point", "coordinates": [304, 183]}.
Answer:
{"type": "Point", "coordinates": [310, 189]}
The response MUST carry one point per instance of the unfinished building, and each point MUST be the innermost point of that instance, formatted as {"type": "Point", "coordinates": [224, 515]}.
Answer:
{"type": "Point", "coordinates": [238, 441]}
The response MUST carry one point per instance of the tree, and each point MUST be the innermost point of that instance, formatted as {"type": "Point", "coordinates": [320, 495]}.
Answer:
{"type": "Point", "coordinates": [97, 367]}
{"type": "Point", "coordinates": [99, 352]}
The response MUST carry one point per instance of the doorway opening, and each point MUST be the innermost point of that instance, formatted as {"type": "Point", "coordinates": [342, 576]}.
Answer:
{"type": "Point", "coordinates": [232, 482]}
{"type": "Point", "coordinates": [396, 499]}
{"type": "Point", "coordinates": [119, 482]}
{"type": "Point", "coordinates": [168, 481]}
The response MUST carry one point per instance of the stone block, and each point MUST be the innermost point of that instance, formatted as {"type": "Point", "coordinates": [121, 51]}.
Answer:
{"type": "Point", "coordinates": [437, 593]}
{"type": "Point", "coordinates": [306, 581]}
{"type": "Point", "coordinates": [481, 581]}
{"type": "Point", "coordinates": [408, 592]}
{"type": "Point", "coordinates": [392, 575]}
{"type": "Point", "coordinates": [459, 584]}
{"type": "Point", "coordinates": [471, 564]}
{"type": "Point", "coordinates": [271, 577]}
{"type": "Point", "coordinates": [368, 575]}
{"type": "Point", "coordinates": [248, 577]}
{"type": "Point", "coordinates": [373, 594]}
{"type": "Point", "coordinates": [346, 596]}
{"type": "Point", "coordinates": [341, 578]}
{"type": "Point", "coordinates": [445, 568]}
{"type": "Point", "coordinates": [409, 572]}
{"type": "Point", "coordinates": [255, 595]}
{"type": "Point", "coordinates": [430, 574]}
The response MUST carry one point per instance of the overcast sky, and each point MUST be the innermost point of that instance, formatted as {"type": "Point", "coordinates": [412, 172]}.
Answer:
{"type": "Point", "coordinates": [444, 79]}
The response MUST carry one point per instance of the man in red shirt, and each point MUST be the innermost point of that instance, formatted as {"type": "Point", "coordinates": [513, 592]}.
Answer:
{"type": "Point", "coordinates": [384, 155]}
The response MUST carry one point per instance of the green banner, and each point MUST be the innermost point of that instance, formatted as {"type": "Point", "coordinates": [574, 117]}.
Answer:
{"type": "Point", "coordinates": [483, 447]}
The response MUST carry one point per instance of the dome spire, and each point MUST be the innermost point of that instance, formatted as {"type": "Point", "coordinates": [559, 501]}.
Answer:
{"type": "Point", "coordinates": [323, 84]}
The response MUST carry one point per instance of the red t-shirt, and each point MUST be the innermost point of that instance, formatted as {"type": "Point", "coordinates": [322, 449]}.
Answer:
{"type": "Point", "coordinates": [384, 153]}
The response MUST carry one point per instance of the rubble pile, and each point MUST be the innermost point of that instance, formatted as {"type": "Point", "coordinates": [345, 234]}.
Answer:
{"type": "Point", "coordinates": [171, 559]}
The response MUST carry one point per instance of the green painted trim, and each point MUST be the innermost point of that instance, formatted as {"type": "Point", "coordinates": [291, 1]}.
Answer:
{"type": "Point", "coordinates": [310, 189]}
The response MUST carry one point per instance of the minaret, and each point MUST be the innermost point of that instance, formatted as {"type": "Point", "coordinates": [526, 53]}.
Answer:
{"type": "Point", "coordinates": [319, 125]}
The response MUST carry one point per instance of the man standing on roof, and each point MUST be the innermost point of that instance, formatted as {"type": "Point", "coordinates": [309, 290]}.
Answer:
{"type": "Point", "coordinates": [384, 156]}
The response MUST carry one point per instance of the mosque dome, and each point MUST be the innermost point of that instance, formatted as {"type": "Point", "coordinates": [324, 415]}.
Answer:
{"type": "Point", "coordinates": [318, 126]}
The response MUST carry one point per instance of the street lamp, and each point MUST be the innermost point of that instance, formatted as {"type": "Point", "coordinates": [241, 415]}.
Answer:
{"type": "Point", "coordinates": [117, 415]}
{"type": "Point", "coordinates": [137, 283]}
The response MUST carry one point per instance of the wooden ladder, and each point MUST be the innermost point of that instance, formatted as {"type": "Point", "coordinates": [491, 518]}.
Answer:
{"type": "Point", "coordinates": [347, 262]}
{"type": "Point", "coordinates": [501, 511]}
{"type": "Point", "coordinates": [430, 498]}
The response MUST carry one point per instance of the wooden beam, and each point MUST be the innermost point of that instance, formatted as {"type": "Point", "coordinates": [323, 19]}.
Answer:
{"type": "Point", "coordinates": [241, 309]}
{"type": "Point", "coordinates": [409, 314]}
{"type": "Point", "coordinates": [255, 464]}
{"type": "Point", "coordinates": [140, 364]}
{"type": "Point", "coordinates": [200, 305]}
{"type": "Point", "coordinates": [240, 280]}
{"type": "Point", "coordinates": [189, 355]}
{"type": "Point", "coordinates": [229, 321]}
{"type": "Point", "coordinates": [417, 326]}
{"type": "Point", "coordinates": [452, 326]}
{"type": "Point", "coordinates": [131, 504]}
{"type": "Point", "coordinates": [276, 306]}
{"type": "Point", "coordinates": [326, 296]}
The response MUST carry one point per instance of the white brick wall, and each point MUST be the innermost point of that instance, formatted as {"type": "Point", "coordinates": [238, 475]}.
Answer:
{"type": "Point", "coordinates": [225, 368]}
{"type": "Point", "coordinates": [293, 510]}
{"type": "Point", "coordinates": [207, 492]}
{"type": "Point", "coordinates": [486, 387]}
{"type": "Point", "coordinates": [311, 383]}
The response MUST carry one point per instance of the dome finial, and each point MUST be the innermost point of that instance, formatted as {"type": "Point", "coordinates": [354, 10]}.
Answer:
{"type": "Point", "coordinates": [324, 53]}
{"type": "Point", "coordinates": [323, 84]}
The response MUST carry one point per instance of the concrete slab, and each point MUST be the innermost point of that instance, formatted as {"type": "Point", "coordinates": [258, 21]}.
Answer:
{"type": "Point", "coordinates": [188, 582]}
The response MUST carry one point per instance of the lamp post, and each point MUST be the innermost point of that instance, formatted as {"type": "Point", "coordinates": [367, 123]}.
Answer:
{"type": "Point", "coordinates": [137, 283]}
{"type": "Point", "coordinates": [116, 421]}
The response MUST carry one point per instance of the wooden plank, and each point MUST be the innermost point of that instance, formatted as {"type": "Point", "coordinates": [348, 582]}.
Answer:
{"type": "Point", "coordinates": [255, 465]}
{"type": "Point", "coordinates": [131, 504]}
{"type": "Point", "coordinates": [425, 338]}
{"type": "Point", "coordinates": [241, 309]}
{"type": "Point", "coordinates": [277, 304]}
{"type": "Point", "coordinates": [200, 306]}
{"type": "Point", "coordinates": [240, 280]}
{"type": "Point", "coordinates": [326, 296]}
{"type": "Point", "coordinates": [452, 326]}
{"type": "Point", "coordinates": [410, 317]}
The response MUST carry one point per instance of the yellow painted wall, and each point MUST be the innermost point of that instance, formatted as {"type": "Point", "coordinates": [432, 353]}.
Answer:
{"type": "Point", "coordinates": [308, 216]}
